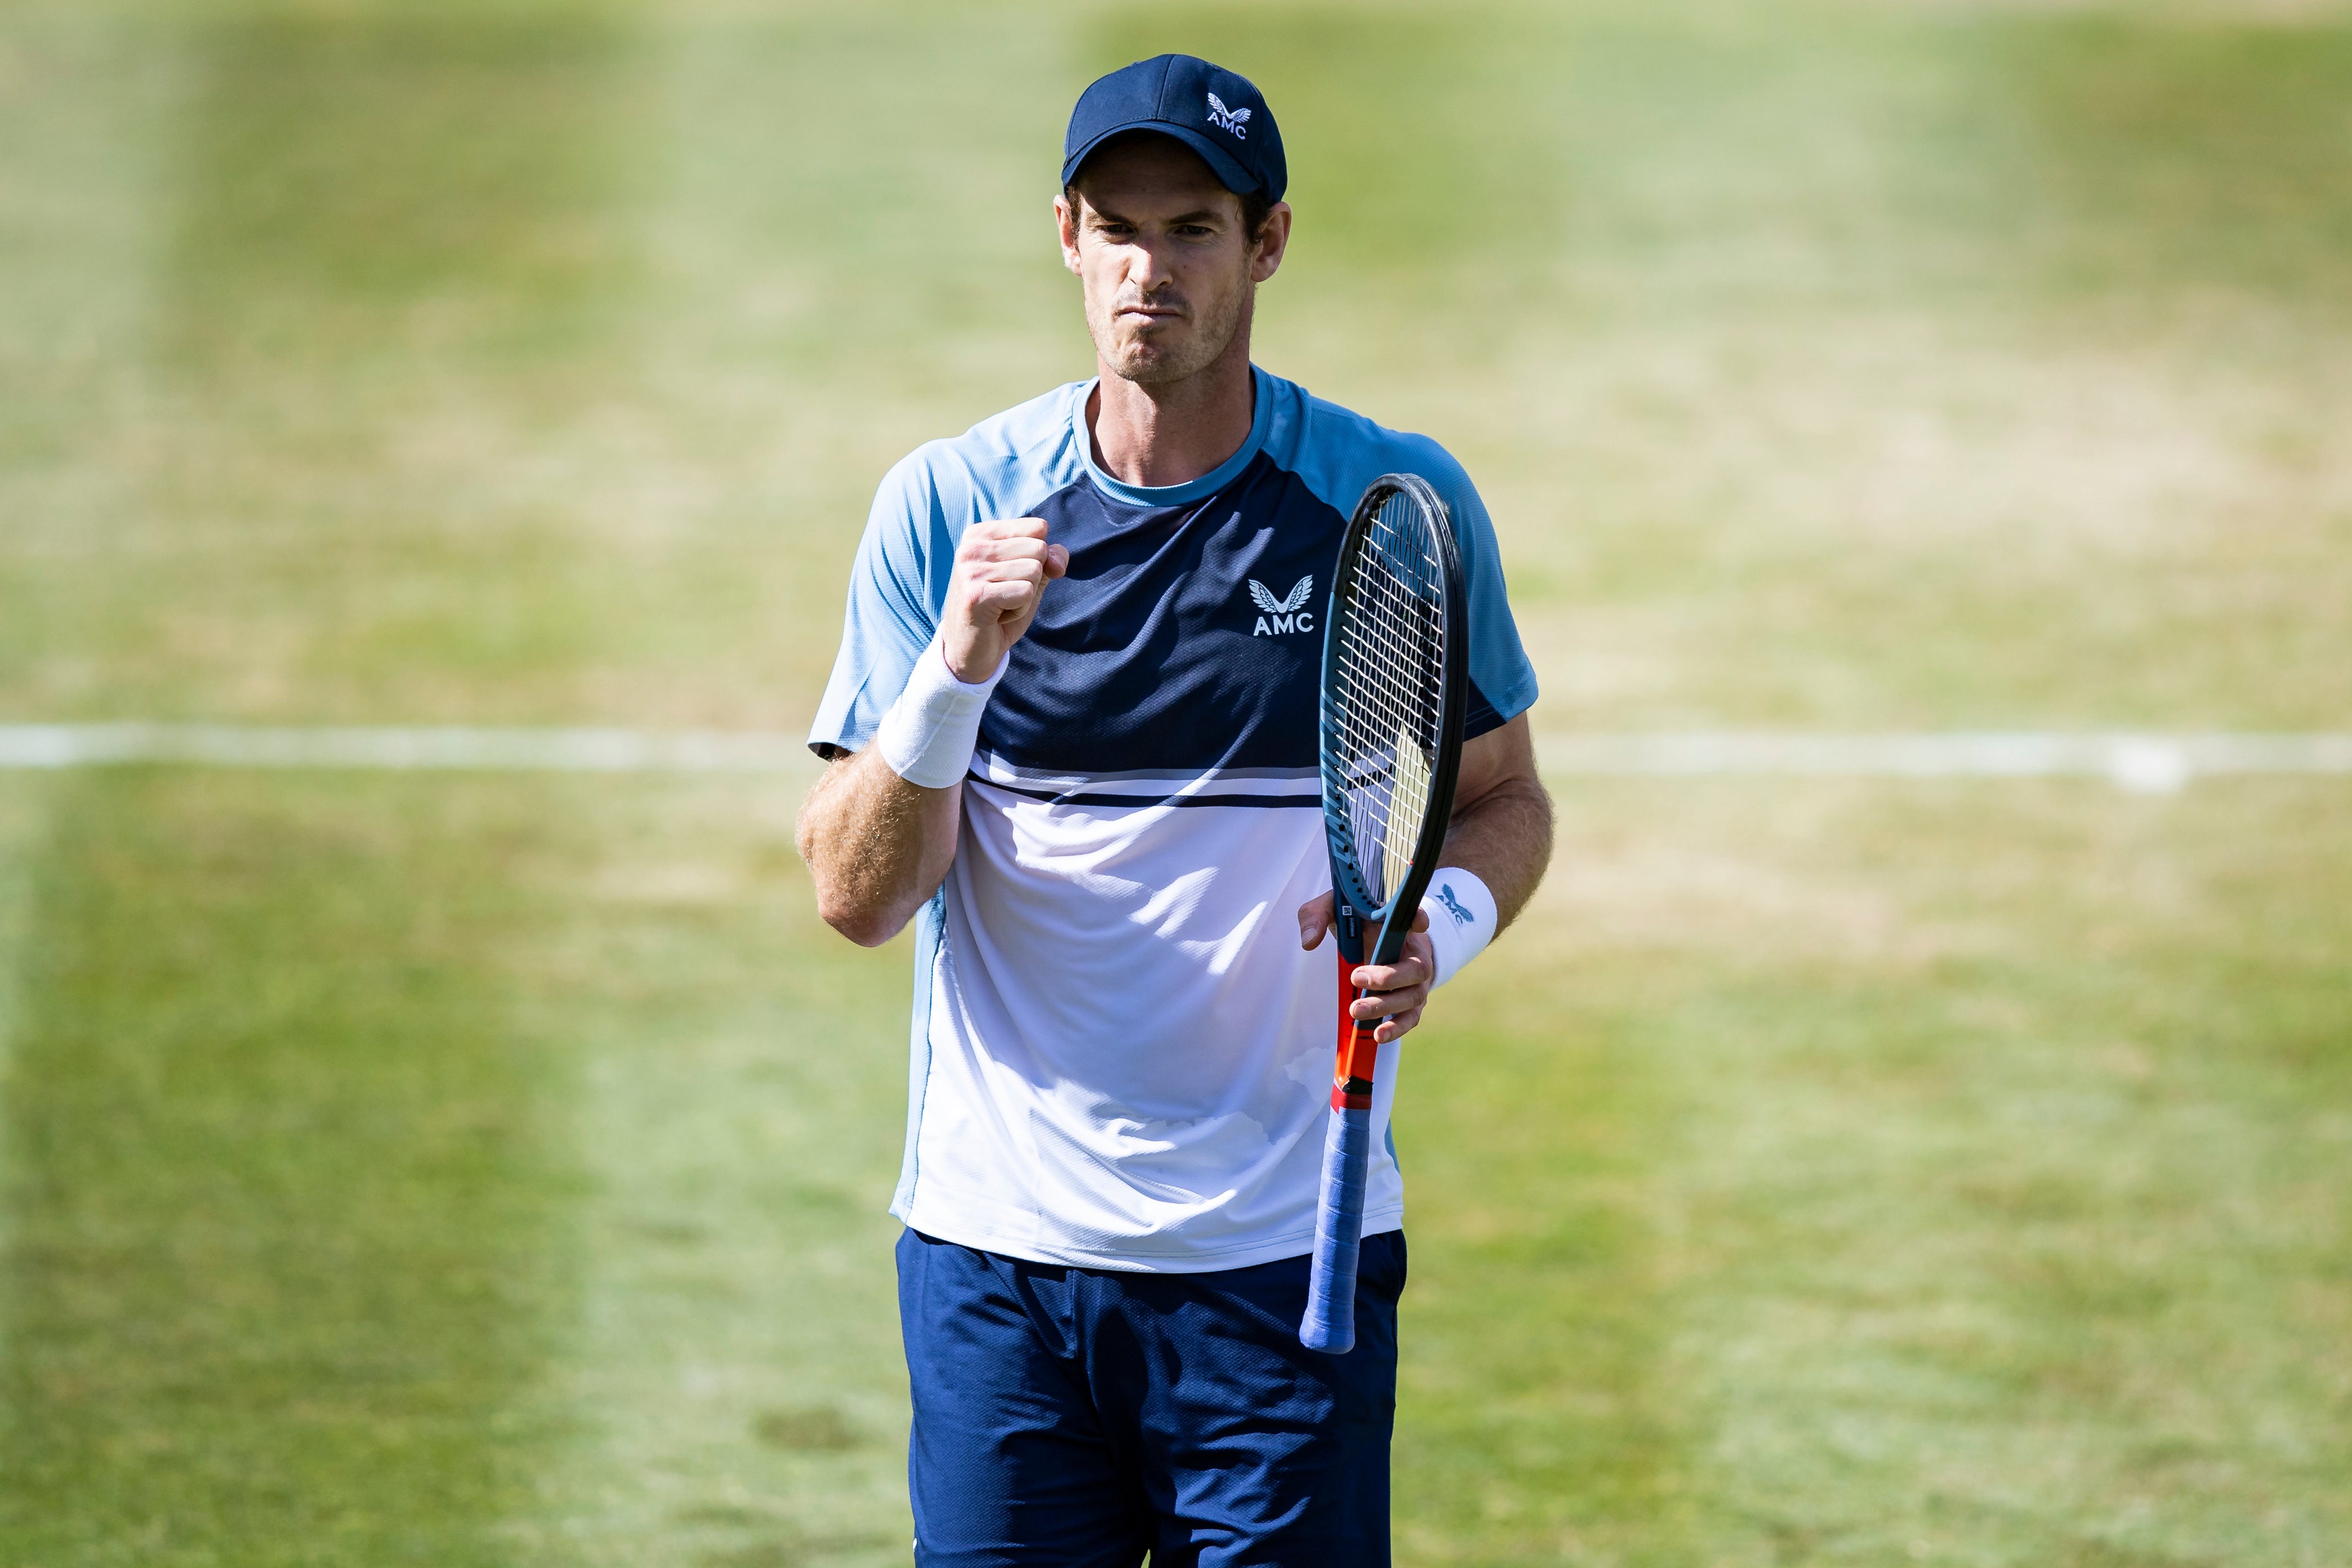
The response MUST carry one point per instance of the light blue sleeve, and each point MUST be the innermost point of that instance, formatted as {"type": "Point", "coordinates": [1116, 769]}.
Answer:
{"type": "Point", "coordinates": [999, 467]}
{"type": "Point", "coordinates": [896, 588]}
{"type": "Point", "coordinates": [1337, 452]}
{"type": "Point", "coordinates": [1503, 682]}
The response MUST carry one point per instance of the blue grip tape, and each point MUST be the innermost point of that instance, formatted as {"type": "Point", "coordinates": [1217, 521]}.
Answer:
{"type": "Point", "coordinates": [1330, 1323]}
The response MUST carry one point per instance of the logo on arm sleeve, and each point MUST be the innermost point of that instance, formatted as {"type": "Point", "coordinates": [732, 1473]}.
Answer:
{"type": "Point", "coordinates": [1287, 614]}
{"type": "Point", "coordinates": [1453, 905]}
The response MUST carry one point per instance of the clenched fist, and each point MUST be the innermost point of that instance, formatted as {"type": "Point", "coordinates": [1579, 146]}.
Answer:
{"type": "Point", "coordinates": [1000, 572]}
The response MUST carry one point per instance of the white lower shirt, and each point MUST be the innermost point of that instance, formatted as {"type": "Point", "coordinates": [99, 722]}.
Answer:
{"type": "Point", "coordinates": [1154, 948]}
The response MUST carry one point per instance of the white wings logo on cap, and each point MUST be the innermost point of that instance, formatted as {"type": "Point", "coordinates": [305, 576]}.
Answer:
{"type": "Point", "coordinates": [1225, 118]}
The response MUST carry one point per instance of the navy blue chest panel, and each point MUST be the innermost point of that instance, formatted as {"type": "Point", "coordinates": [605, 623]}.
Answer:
{"type": "Point", "coordinates": [1184, 639]}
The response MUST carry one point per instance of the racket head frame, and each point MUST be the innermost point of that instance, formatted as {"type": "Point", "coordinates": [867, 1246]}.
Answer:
{"type": "Point", "coordinates": [1358, 906]}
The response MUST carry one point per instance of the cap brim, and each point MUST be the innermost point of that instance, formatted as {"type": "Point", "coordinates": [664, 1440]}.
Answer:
{"type": "Point", "coordinates": [1229, 173]}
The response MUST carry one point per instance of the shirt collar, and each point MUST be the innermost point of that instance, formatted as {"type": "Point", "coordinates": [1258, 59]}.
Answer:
{"type": "Point", "coordinates": [1208, 484]}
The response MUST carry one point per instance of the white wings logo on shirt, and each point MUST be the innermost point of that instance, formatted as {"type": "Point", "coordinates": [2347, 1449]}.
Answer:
{"type": "Point", "coordinates": [1287, 614]}
{"type": "Point", "coordinates": [1295, 600]}
{"type": "Point", "coordinates": [1223, 118]}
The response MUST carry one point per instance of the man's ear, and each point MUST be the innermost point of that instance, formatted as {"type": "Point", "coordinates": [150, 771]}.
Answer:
{"type": "Point", "coordinates": [1273, 240]}
{"type": "Point", "coordinates": [1065, 222]}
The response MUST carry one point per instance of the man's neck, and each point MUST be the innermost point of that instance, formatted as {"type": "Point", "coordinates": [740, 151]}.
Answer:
{"type": "Point", "coordinates": [1173, 433]}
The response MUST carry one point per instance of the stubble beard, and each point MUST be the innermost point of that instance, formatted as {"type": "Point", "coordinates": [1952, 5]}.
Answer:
{"type": "Point", "coordinates": [1199, 344]}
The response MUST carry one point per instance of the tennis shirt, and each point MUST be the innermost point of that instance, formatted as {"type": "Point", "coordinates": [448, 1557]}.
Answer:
{"type": "Point", "coordinates": [1121, 1056]}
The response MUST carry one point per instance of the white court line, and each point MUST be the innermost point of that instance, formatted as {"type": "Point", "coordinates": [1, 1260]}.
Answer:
{"type": "Point", "coordinates": [2141, 761]}
{"type": "Point", "coordinates": [2150, 763]}
{"type": "Point", "coordinates": [405, 747]}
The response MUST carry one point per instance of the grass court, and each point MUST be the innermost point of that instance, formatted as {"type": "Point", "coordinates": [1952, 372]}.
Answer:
{"type": "Point", "coordinates": [490, 1169]}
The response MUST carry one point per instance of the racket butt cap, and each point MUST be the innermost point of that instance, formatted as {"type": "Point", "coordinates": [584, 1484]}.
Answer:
{"type": "Point", "coordinates": [1329, 1338]}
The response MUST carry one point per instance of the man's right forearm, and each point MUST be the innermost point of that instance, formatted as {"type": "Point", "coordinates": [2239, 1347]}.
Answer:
{"type": "Point", "coordinates": [876, 846]}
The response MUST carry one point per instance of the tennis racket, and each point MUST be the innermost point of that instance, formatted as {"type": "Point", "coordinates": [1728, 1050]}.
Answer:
{"type": "Point", "coordinates": [1395, 676]}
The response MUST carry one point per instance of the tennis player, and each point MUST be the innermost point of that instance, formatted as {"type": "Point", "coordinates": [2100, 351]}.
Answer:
{"type": "Point", "coordinates": [1073, 736]}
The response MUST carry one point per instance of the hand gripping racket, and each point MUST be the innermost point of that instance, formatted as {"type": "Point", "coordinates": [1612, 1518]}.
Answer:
{"type": "Point", "coordinates": [1395, 675]}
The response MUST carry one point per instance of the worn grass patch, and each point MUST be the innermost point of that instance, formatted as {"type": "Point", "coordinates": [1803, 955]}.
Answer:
{"type": "Point", "coordinates": [490, 1170]}
{"type": "Point", "coordinates": [291, 1198]}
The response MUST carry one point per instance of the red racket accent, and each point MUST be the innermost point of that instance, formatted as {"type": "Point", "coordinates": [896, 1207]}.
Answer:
{"type": "Point", "coordinates": [1351, 1074]}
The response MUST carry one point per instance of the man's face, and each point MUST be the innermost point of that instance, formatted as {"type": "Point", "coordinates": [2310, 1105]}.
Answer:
{"type": "Point", "coordinates": [1169, 273]}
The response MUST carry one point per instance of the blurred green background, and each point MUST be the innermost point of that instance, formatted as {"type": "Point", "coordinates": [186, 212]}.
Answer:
{"type": "Point", "coordinates": [482, 1169]}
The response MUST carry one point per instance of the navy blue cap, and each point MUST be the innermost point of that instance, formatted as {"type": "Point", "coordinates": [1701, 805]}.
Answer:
{"type": "Point", "coordinates": [1215, 113]}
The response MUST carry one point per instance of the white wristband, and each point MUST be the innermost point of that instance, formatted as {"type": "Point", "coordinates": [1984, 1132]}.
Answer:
{"type": "Point", "coordinates": [1461, 919]}
{"type": "Point", "coordinates": [927, 735]}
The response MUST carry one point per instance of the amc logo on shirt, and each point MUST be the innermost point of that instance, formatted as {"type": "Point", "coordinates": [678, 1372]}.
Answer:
{"type": "Point", "coordinates": [1286, 613]}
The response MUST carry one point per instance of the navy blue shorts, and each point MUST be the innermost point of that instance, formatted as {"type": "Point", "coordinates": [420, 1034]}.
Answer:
{"type": "Point", "coordinates": [1081, 1417]}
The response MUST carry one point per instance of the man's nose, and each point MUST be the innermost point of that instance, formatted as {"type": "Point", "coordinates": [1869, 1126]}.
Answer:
{"type": "Point", "coordinates": [1150, 268]}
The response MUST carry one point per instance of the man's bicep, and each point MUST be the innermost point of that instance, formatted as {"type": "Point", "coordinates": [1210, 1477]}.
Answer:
{"type": "Point", "coordinates": [1489, 762]}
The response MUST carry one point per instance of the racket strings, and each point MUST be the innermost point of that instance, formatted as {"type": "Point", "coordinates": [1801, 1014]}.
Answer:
{"type": "Point", "coordinates": [1387, 688]}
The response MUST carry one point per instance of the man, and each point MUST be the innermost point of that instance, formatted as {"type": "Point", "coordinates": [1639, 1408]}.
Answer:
{"type": "Point", "coordinates": [1073, 729]}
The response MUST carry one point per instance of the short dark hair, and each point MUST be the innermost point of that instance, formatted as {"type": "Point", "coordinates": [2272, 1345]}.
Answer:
{"type": "Point", "coordinates": [1255, 210]}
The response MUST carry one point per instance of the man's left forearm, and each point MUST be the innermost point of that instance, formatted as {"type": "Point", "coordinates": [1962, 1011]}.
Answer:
{"type": "Point", "coordinates": [1504, 839]}
{"type": "Point", "coordinates": [1502, 818]}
